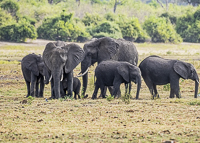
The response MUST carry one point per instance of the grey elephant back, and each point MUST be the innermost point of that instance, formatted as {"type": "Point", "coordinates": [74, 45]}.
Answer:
{"type": "Point", "coordinates": [127, 52]}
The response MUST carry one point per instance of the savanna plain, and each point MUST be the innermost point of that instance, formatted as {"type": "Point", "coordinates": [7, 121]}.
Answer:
{"type": "Point", "coordinates": [67, 120]}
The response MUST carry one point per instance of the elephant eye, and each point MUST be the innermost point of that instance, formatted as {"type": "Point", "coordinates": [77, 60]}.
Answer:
{"type": "Point", "coordinates": [89, 54]}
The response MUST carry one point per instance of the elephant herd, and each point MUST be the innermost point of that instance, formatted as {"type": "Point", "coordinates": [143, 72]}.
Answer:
{"type": "Point", "coordinates": [117, 61]}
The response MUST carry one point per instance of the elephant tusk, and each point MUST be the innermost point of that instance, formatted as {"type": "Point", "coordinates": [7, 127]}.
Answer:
{"type": "Point", "coordinates": [50, 78]}
{"type": "Point", "coordinates": [44, 78]}
{"type": "Point", "coordinates": [197, 81]}
{"type": "Point", "coordinates": [83, 73]}
{"type": "Point", "coordinates": [61, 78]}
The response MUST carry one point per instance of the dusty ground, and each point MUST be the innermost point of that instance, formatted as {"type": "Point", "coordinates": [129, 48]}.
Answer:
{"type": "Point", "coordinates": [67, 120]}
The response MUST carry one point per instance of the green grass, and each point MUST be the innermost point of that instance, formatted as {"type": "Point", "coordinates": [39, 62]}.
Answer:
{"type": "Point", "coordinates": [87, 120]}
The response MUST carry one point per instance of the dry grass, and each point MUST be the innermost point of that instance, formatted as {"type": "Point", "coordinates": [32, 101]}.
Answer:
{"type": "Point", "coordinates": [144, 120]}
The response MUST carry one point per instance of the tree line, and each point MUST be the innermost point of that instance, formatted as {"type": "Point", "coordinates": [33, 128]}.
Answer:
{"type": "Point", "coordinates": [162, 26]}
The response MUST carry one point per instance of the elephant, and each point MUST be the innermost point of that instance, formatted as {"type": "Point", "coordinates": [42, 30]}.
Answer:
{"type": "Point", "coordinates": [76, 86]}
{"type": "Point", "coordinates": [33, 70]}
{"type": "Point", "coordinates": [60, 59]}
{"type": "Point", "coordinates": [159, 71]}
{"type": "Point", "coordinates": [106, 48]}
{"type": "Point", "coordinates": [113, 73]}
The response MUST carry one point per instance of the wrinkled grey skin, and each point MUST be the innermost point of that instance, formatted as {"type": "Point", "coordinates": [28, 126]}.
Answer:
{"type": "Point", "coordinates": [61, 59]}
{"type": "Point", "coordinates": [33, 70]}
{"type": "Point", "coordinates": [106, 48]}
{"type": "Point", "coordinates": [159, 71]}
{"type": "Point", "coordinates": [76, 86]}
{"type": "Point", "coordinates": [113, 73]}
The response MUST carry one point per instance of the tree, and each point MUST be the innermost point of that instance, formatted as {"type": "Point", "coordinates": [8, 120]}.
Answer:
{"type": "Point", "coordinates": [118, 2]}
{"type": "Point", "coordinates": [10, 6]}
{"type": "Point", "coordinates": [193, 2]}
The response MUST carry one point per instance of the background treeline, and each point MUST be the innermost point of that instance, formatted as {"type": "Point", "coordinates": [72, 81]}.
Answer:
{"type": "Point", "coordinates": [79, 20]}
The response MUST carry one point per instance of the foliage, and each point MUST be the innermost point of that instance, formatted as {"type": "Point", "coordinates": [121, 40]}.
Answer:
{"type": "Point", "coordinates": [161, 30]}
{"type": "Point", "coordinates": [106, 29]}
{"type": "Point", "coordinates": [18, 32]}
{"type": "Point", "coordinates": [110, 98]}
{"type": "Point", "coordinates": [188, 26]}
{"type": "Point", "coordinates": [131, 28]}
{"type": "Point", "coordinates": [10, 6]}
{"type": "Point", "coordinates": [91, 19]}
{"type": "Point", "coordinates": [171, 17]}
{"type": "Point", "coordinates": [30, 99]}
{"type": "Point", "coordinates": [5, 18]}
{"type": "Point", "coordinates": [62, 27]}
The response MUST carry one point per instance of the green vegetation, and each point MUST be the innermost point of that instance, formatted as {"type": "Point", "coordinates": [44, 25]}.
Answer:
{"type": "Point", "coordinates": [81, 20]}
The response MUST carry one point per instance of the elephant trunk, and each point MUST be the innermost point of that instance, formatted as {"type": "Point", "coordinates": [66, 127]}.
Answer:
{"type": "Point", "coordinates": [196, 88]}
{"type": "Point", "coordinates": [56, 80]}
{"type": "Point", "coordinates": [84, 66]}
{"type": "Point", "coordinates": [138, 86]}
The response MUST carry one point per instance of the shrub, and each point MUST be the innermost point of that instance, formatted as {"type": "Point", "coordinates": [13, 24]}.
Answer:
{"type": "Point", "coordinates": [188, 26]}
{"type": "Point", "coordinates": [107, 29]}
{"type": "Point", "coordinates": [5, 18]}
{"type": "Point", "coordinates": [10, 6]}
{"type": "Point", "coordinates": [172, 18]}
{"type": "Point", "coordinates": [62, 27]}
{"type": "Point", "coordinates": [91, 19]}
{"type": "Point", "coordinates": [161, 30]}
{"type": "Point", "coordinates": [131, 29]}
{"type": "Point", "coordinates": [18, 32]}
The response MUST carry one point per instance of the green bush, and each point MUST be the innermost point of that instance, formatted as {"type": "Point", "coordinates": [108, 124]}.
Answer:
{"type": "Point", "coordinates": [5, 18]}
{"type": "Point", "coordinates": [106, 29]}
{"type": "Point", "coordinates": [171, 17]}
{"type": "Point", "coordinates": [18, 32]}
{"type": "Point", "coordinates": [131, 29]}
{"type": "Point", "coordinates": [10, 6]}
{"type": "Point", "coordinates": [188, 26]}
{"type": "Point", "coordinates": [91, 19]}
{"type": "Point", "coordinates": [62, 27]}
{"type": "Point", "coordinates": [161, 30]}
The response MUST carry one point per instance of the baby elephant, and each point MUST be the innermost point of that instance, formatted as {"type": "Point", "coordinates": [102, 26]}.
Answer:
{"type": "Point", "coordinates": [76, 86]}
{"type": "Point", "coordinates": [113, 73]}
{"type": "Point", "coordinates": [159, 71]}
{"type": "Point", "coordinates": [33, 70]}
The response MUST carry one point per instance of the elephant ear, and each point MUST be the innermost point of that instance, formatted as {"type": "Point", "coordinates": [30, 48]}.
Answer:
{"type": "Point", "coordinates": [48, 53]}
{"type": "Point", "coordinates": [123, 70]}
{"type": "Point", "coordinates": [30, 62]}
{"type": "Point", "coordinates": [75, 55]}
{"type": "Point", "coordinates": [181, 68]}
{"type": "Point", "coordinates": [92, 46]}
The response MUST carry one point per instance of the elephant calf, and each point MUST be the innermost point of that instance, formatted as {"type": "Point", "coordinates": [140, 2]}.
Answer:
{"type": "Point", "coordinates": [76, 86]}
{"type": "Point", "coordinates": [113, 73]}
{"type": "Point", "coordinates": [33, 69]}
{"type": "Point", "coordinates": [159, 71]}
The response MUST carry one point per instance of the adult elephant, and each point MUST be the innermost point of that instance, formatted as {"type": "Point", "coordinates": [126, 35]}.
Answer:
{"type": "Point", "coordinates": [106, 48]}
{"type": "Point", "coordinates": [61, 59]}
{"type": "Point", "coordinates": [33, 70]}
{"type": "Point", "coordinates": [159, 71]}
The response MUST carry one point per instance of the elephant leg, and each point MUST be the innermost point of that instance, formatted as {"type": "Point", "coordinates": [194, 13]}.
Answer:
{"type": "Point", "coordinates": [150, 86]}
{"type": "Point", "coordinates": [155, 91]}
{"type": "Point", "coordinates": [28, 88]}
{"type": "Point", "coordinates": [36, 88]}
{"type": "Point", "coordinates": [94, 95]}
{"type": "Point", "coordinates": [62, 91]}
{"type": "Point", "coordinates": [33, 82]}
{"type": "Point", "coordinates": [41, 87]}
{"type": "Point", "coordinates": [116, 87]}
{"type": "Point", "coordinates": [129, 88]}
{"type": "Point", "coordinates": [52, 89]}
{"type": "Point", "coordinates": [70, 84]}
{"type": "Point", "coordinates": [111, 91]}
{"type": "Point", "coordinates": [174, 89]}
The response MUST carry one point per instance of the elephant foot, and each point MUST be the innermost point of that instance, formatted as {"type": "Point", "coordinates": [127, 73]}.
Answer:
{"type": "Point", "coordinates": [27, 96]}
{"type": "Point", "coordinates": [86, 96]}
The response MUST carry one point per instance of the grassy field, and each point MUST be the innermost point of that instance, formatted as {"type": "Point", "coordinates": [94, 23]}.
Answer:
{"type": "Point", "coordinates": [144, 120]}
